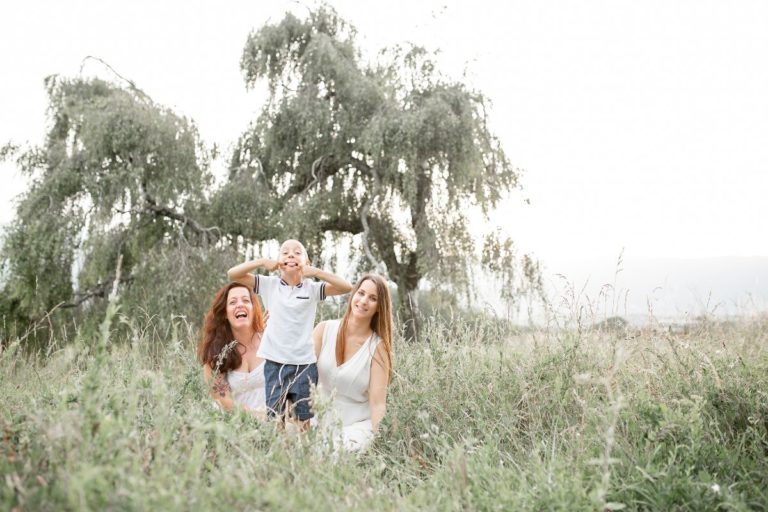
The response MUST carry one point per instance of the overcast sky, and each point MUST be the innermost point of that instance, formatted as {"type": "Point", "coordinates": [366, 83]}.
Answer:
{"type": "Point", "coordinates": [640, 125]}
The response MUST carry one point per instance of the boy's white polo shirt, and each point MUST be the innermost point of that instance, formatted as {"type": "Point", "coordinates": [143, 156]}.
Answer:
{"type": "Point", "coordinates": [288, 336]}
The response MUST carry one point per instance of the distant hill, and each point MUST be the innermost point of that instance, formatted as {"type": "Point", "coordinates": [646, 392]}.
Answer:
{"type": "Point", "coordinates": [665, 289]}
{"type": "Point", "coordinates": [675, 288]}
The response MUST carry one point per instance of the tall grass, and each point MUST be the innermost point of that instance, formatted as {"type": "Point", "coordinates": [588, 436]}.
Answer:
{"type": "Point", "coordinates": [558, 418]}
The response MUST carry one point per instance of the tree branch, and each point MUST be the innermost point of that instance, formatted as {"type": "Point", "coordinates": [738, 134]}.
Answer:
{"type": "Point", "coordinates": [212, 233]}
{"type": "Point", "coordinates": [345, 225]}
{"type": "Point", "coordinates": [323, 167]}
{"type": "Point", "coordinates": [98, 290]}
{"type": "Point", "coordinates": [377, 264]}
{"type": "Point", "coordinates": [384, 239]}
{"type": "Point", "coordinates": [130, 82]}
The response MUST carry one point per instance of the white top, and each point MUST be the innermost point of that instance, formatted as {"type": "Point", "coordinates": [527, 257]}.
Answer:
{"type": "Point", "coordinates": [248, 388]}
{"type": "Point", "coordinates": [288, 336]}
{"type": "Point", "coordinates": [347, 384]}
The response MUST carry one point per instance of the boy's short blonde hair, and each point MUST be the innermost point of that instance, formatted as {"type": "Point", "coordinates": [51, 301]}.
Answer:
{"type": "Point", "coordinates": [303, 249]}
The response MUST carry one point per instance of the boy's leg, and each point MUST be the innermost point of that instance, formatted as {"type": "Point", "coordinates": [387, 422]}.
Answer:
{"type": "Point", "coordinates": [299, 389]}
{"type": "Point", "coordinates": [275, 388]}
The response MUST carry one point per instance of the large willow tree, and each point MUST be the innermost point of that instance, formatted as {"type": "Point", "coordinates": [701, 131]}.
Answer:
{"type": "Point", "coordinates": [114, 191]}
{"type": "Point", "coordinates": [391, 151]}
{"type": "Point", "coordinates": [389, 155]}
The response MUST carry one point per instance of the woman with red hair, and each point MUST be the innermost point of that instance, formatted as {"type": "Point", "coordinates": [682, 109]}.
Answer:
{"type": "Point", "coordinates": [227, 350]}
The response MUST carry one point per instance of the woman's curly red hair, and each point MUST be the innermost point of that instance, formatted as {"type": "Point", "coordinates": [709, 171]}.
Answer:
{"type": "Point", "coordinates": [217, 333]}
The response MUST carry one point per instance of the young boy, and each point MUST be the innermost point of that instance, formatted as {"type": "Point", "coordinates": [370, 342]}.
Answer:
{"type": "Point", "coordinates": [286, 344]}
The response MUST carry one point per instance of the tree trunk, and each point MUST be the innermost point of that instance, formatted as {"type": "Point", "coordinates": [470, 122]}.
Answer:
{"type": "Point", "coordinates": [407, 291]}
{"type": "Point", "coordinates": [409, 314]}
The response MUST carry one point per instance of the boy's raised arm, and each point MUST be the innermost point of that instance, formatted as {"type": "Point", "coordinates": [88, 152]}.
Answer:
{"type": "Point", "coordinates": [242, 273]}
{"type": "Point", "coordinates": [336, 285]}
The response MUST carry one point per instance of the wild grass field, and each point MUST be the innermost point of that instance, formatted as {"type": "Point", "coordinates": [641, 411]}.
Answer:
{"type": "Point", "coordinates": [480, 417]}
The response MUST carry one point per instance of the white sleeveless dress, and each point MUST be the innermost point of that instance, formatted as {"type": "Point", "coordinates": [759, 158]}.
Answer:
{"type": "Point", "coordinates": [344, 391]}
{"type": "Point", "coordinates": [248, 388]}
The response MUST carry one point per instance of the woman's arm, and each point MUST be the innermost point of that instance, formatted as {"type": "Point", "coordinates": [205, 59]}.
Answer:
{"type": "Point", "coordinates": [222, 394]}
{"type": "Point", "coordinates": [317, 337]}
{"type": "Point", "coordinates": [242, 273]}
{"type": "Point", "coordinates": [377, 386]}
{"type": "Point", "coordinates": [219, 387]}
{"type": "Point", "coordinates": [336, 285]}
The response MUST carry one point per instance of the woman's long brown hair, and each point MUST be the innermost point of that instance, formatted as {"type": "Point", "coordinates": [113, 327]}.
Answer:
{"type": "Point", "coordinates": [217, 334]}
{"type": "Point", "coordinates": [381, 321]}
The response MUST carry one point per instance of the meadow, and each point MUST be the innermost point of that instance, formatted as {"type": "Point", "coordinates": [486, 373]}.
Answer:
{"type": "Point", "coordinates": [481, 416]}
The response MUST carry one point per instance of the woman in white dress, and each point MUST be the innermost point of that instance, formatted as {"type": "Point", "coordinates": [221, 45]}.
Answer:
{"type": "Point", "coordinates": [354, 363]}
{"type": "Point", "coordinates": [227, 351]}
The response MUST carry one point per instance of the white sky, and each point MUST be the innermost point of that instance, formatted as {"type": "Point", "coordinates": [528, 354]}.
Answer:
{"type": "Point", "coordinates": [640, 125]}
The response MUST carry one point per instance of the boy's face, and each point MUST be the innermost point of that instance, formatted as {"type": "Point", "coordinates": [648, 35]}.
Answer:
{"type": "Point", "coordinates": [292, 256]}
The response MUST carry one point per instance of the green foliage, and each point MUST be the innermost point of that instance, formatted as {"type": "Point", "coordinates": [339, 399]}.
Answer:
{"type": "Point", "coordinates": [390, 150]}
{"type": "Point", "coordinates": [475, 421]}
{"type": "Point", "coordinates": [114, 179]}
{"type": "Point", "coordinates": [521, 278]}
{"type": "Point", "coordinates": [614, 324]}
{"type": "Point", "coordinates": [388, 155]}
{"type": "Point", "coordinates": [241, 208]}
{"type": "Point", "coordinates": [178, 278]}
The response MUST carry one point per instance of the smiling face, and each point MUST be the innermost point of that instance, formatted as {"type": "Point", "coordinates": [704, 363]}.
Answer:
{"type": "Point", "coordinates": [365, 300]}
{"type": "Point", "coordinates": [239, 308]}
{"type": "Point", "coordinates": [292, 256]}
